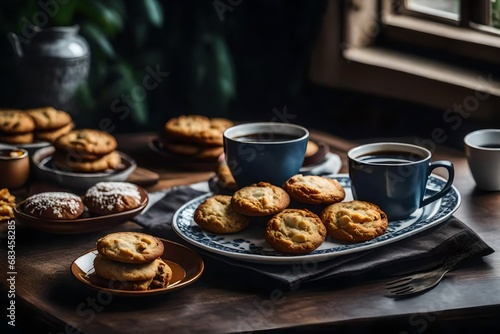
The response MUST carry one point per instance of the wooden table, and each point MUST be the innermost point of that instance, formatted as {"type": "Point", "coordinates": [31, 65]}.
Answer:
{"type": "Point", "coordinates": [49, 298]}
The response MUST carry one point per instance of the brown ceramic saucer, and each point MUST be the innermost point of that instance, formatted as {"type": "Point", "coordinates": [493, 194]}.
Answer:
{"type": "Point", "coordinates": [84, 224]}
{"type": "Point", "coordinates": [187, 266]}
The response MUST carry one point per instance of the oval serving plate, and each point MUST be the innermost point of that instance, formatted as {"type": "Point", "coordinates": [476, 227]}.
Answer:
{"type": "Point", "coordinates": [46, 169]}
{"type": "Point", "coordinates": [84, 224]}
{"type": "Point", "coordinates": [187, 266]}
{"type": "Point", "coordinates": [249, 245]}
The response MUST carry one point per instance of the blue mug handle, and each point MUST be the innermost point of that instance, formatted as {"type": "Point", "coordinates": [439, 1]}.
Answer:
{"type": "Point", "coordinates": [451, 176]}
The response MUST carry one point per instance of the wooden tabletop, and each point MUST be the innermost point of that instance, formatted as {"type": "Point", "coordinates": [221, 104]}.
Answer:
{"type": "Point", "coordinates": [224, 299]}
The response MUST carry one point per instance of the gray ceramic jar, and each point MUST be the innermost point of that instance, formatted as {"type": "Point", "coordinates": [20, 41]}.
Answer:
{"type": "Point", "coordinates": [50, 64]}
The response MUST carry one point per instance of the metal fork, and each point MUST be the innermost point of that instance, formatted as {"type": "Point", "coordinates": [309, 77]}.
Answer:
{"type": "Point", "coordinates": [421, 282]}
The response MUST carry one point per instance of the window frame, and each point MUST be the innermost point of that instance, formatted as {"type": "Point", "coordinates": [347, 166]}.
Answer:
{"type": "Point", "coordinates": [349, 55]}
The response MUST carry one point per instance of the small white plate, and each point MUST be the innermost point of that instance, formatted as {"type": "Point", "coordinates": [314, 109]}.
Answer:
{"type": "Point", "coordinates": [42, 162]}
{"type": "Point", "coordinates": [249, 245]}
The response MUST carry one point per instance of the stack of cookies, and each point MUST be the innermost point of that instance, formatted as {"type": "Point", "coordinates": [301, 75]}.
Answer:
{"type": "Point", "coordinates": [86, 150]}
{"type": "Point", "coordinates": [50, 123]}
{"type": "Point", "coordinates": [194, 137]}
{"type": "Point", "coordinates": [16, 127]}
{"type": "Point", "coordinates": [28, 126]}
{"type": "Point", "coordinates": [130, 261]}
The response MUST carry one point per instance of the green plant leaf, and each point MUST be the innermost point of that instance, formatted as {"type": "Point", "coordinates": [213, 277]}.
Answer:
{"type": "Point", "coordinates": [154, 12]}
{"type": "Point", "coordinates": [107, 19]}
{"type": "Point", "coordinates": [94, 36]}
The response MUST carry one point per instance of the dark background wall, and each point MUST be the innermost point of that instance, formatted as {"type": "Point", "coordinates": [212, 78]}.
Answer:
{"type": "Point", "coordinates": [246, 60]}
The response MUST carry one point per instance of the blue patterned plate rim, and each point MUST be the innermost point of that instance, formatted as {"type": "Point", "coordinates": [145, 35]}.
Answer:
{"type": "Point", "coordinates": [249, 245]}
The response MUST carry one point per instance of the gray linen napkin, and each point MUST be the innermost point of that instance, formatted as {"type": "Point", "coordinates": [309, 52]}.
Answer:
{"type": "Point", "coordinates": [424, 251]}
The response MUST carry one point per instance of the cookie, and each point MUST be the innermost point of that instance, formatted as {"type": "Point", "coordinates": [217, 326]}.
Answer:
{"type": "Point", "coordinates": [130, 247]}
{"type": "Point", "coordinates": [54, 205]}
{"type": "Point", "coordinates": [295, 231]}
{"type": "Point", "coordinates": [161, 280]}
{"type": "Point", "coordinates": [314, 189]}
{"type": "Point", "coordinates": [217, 215]}
{"type": "Point", "coordinates": [225, 177]}
{"type": "Point", "coordinates": [354, 221]}
{"type": "Point", "coordinates": [7, 204]}
{"type": "Point", "coordinates": [197, 129]}
{"type": "Point", "coordinates": [15, 121]}
{"type": "Point", "coordinates": [122, 271]}
{"type": "Point", "coordinates": [69, 161]}
{"type": "Point", "coordinates": [260, 199]}
{"type": "Point", "coordinates": [120, 285]}
{"type": "Point", "coordinates": [105, 198]}
{"type": "Point", "coordinates": [311, 148]}
{"type": "Point", "coordinates": [163, 276]}
{"type": "Point", "coordinates": [17, 138]}
{"type": "Point", "coordinates": [88, 144]}
{"type": "Point", "coordinates": [193, 151]}
{"type": "Point", "coordinates": [52, 135]}
{"type": "Point", "coordinates": [49, 118]}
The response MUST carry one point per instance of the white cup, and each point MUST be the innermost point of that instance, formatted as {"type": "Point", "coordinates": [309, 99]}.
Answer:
{"type": "Point", "coordinates": [482, 148]}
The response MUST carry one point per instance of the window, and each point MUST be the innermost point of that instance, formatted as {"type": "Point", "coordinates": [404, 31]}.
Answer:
{"type": "Point", "coordinates": [433, 52]}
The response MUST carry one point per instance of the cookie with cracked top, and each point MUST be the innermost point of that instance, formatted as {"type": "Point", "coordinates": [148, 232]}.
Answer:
{"type": "Point", "coordinates": [260, 199]}
{"type": "Point", "coordinates": [295, 231]}
{"type": "Point", "coordinates": [314, 189]}
{"type": "Point", "coordinates": [130, 247]}
{"type": "Point", "coordinates": [354, 221]}
{"type": "Point", "coordinates": [217, 215]}
{"type": "Point", "coordinates": [197, 129]}
{"type": "Point", "coordinates": [88, 144]}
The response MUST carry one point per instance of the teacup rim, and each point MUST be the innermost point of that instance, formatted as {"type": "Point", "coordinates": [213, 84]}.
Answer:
{"type": "Point", "coordinates": [258, 126]}
{"type": "Point", "coordinates": [22, 156]}
{"type": "Point", "coordinates": [468, 138]}
{"type": "Point", "coordinates": [367, 147]}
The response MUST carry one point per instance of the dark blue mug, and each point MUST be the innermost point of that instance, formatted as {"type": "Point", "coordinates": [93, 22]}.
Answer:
{"type": "Point", "coordinates": [264, 151]}
{"type": "Point", "coordinates": [394, 176]}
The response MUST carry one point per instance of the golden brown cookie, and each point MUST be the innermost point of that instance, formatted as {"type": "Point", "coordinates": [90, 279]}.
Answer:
{"type": "Point", "coordinates": [130, 247]}
{"type": "Point", "coordinates": [260, 199]}
{"type": "Point", "coordinates": [105, 198]}
{"type": "Point", "coordinates": [295, 231]}
{"type": "Point", "coordinates": [17, 138]}
{"type": "Point", "coordinates": [217, 215]}
{"type": "Point", "coordinates": [52, 135]}
{"type": "Point", "coordinates": [7, 204]}
{"type": "Point", "coordinates": [54, 205]}
{"type": "Point", "coordinates": [314, 189]}
{"type": "Point", "coordinates": [225, 177]}
{"type": "Point", "coordinates": [354, 221]}
{"type": "Point", "coordinates": [197, 129]}
{"type": "Point", "coordinates": [86, 143]}
{"type": "Point", "coordinates": [15, 121]}
{"type": "Point", "coordinates": [312, 148]}
{"type": "Point", "coordinates": [194, 151]}
{"type": "Point", "coordinates": [163, 276]}
{"type": "Point", "coordinates": [161, 280]}
{"type": "Point", "coordinates": [49, 118]}
{"type": "Point", "coordinates": [120, 285]}
{"type": "Point", "coordinates": [122, 271]}
{"type": "Point", "coordinates": [68, 161]}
